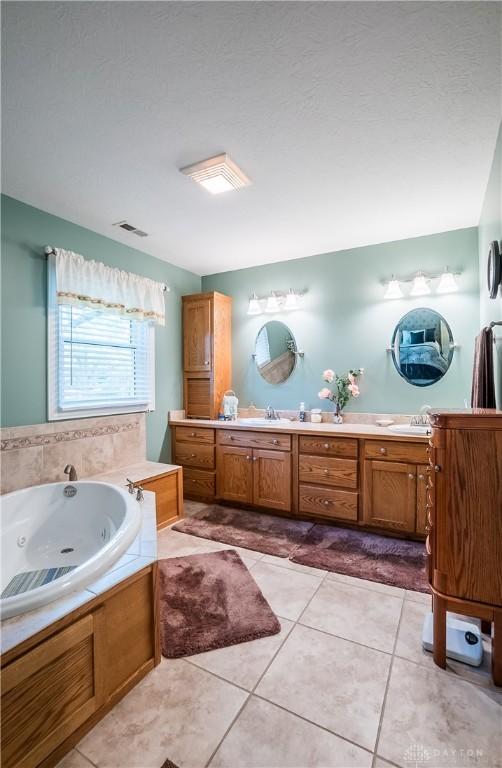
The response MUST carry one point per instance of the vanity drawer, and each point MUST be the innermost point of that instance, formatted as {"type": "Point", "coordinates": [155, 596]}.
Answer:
{"type": "Point", "coordinates": [344, 448]}
{"type": "Point", "coordinates": [243, 439]}
{"type": "Point", "coordinates": [198, 483]}
{"type": "Point", "coordinates": [195, 435]}
{"type": "Point", "coordinates": [194, 455]}
{"type": "Point", "coordinates": [395, 451]}
{"type": "Point", "coordinates": [328, 502]}
{"type": "Point", "coordinates": [328, 471]}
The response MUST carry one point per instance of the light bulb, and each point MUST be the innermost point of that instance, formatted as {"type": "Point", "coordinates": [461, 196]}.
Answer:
{"type": "Point", "coordinates": [291, 302]}
{"type": "Point", "coordinates": [393, 289]}
{"type": "Point", "coordinates": [254, 305]}
{"type": "Point", "coordinates": [447, 283]}
{"type": "Point", "coordinates": [420, 286]}
{"type": "Point", "coordinates": [272, 303]}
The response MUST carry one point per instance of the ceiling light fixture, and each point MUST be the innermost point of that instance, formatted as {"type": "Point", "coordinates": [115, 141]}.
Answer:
{"type": "Point", "coordinates": [393, 289]}
{"type": "Point", "coordinates": [447, 282]}
{"type": "Point", "coordinates": [217, 174]}
{"type": "Point", "coordinates": [291, 303]}
{"type": "Point", "coordinates": [254, 307]}
{"type": "Point", "coordinates": [420, 286]}
{"type": "Point", "coordinates": [272, 304]}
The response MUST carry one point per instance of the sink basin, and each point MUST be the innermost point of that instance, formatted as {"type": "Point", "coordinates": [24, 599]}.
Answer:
{"type": "Point", "coordinates": [407, 429]}
{"type": "Point", "coordinates": [261, 422]}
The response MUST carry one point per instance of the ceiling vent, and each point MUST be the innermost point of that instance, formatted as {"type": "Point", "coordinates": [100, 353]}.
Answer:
{"type": "Point", "coordinates": [217, 174]}
{"type": "Point", "coordinates": [130, 228]}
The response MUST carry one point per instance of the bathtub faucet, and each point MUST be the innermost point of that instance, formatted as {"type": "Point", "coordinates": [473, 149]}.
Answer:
{"type": "Point", "coordinates": [71, 472]}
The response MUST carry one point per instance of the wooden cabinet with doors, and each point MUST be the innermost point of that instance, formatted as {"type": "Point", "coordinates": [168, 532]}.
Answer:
{"type": "Point", "coordinates": [254, 475]}
{"type": "Point", "coordinates": [465, 519]}
{"type": "Point", "coordinates": [168, 490]}
{"type": "Point", "coordinates": [395, 486]}
{"type": "Point", "coordinates": [207, 368]}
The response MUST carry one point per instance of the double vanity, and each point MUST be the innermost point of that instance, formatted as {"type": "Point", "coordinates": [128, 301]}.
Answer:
{"type": "Point", "coordinates": [358, 474]}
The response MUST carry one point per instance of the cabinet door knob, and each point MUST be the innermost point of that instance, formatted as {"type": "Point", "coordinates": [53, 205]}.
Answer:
{"type": "Point", "coordinates": [326, 445]}
{"type": "Point", "coordinates": [383, 450]}
{"type": "Point", "coordinates": [275, 442]}
{"type": "Point", "coordinates": [206, 362]}
{"type": "Point", "coordinates": [254, 458]}
{"type": "Point", "coordinates": [411, 475]}
{"type": "Point", "coordinates": [248, 458]}
{"type": "Point", "coordinates": [437, 468]}
{"type": "Point", "coordinates": [421, 477]}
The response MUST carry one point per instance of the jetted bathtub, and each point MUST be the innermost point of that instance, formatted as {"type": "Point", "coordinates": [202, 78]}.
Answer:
{"type": "Point", "coordinates": [60, 537]}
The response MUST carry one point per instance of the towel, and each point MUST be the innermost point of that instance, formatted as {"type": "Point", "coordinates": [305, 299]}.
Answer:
{"type": "Point", "coordinates": [483, 378]}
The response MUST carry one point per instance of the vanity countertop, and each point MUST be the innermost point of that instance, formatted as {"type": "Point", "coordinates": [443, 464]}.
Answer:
{"type": "Point", "coordinates": [346, 429]}
{"type": "Point", "coordinates": [142, 552]}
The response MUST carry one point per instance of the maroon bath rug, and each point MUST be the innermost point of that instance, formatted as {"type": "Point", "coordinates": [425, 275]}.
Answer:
{"type": "Point", "coordinates": [210, 601]}
{"type": "Point", "coordinates": [270, 534]}
{"type": "Point", "coordinates": [396, 562]}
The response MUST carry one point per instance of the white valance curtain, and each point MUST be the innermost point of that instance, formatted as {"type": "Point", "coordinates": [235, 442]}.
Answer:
{"type": "Point", "coordinates": [90, 283]}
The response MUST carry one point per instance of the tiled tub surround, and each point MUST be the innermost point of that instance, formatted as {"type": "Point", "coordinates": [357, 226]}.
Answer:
{"type": "Point", "coordinates": [36, 454]}
{"type": "Point", "coordinates": [142, 552]}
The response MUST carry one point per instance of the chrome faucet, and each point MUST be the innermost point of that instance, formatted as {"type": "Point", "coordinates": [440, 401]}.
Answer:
{"type": "Point", "coordinates": [422, 418]}
{"type": "Point", "coordinates": [71, 472]}
{"type": "Point", "coordinates": [271, 413]}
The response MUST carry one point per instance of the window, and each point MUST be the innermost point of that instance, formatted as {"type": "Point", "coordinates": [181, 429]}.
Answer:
{"type": "Point", "coordinates": [99, 362]}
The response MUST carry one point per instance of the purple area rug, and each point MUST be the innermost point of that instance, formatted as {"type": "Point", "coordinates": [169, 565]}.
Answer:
{"type": "Point", "coordinates": [210, 601]}
{"type": "Point", "coordinates": [270, 534]}
{"type": "Point", "coordinates": [368, 556]}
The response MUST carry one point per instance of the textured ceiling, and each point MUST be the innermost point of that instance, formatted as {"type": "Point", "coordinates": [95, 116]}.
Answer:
{"type": "Point", "coordinates": [357, 122]}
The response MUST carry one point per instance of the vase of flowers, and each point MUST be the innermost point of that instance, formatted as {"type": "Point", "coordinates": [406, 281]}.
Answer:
{"type": "Point", "coordinates": [344, 386]}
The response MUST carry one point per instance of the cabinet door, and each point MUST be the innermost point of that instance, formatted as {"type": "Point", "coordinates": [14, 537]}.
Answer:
{"type": "Point", "coordinates": [197, 335]}
{"type": "Point", "coordinates": [422, 521]}
{"type": "Point", "coordinates": [272, 479]}
{"type": "Point", "coordinates": [390, 495]}
{"type": "Point", "coordinates": [235, 474]}
{"type": "Point", "coordinates": [48, 692]}
{"type": "Point", "coordinates": [168, 492]}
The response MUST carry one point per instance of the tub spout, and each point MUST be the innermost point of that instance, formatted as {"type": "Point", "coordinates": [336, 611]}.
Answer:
{"type": "Point", "coordinates": [71, 472]}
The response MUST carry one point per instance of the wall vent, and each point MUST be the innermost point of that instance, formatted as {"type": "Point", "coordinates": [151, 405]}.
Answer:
{"type": "Point", "coordinates": [130, 228]}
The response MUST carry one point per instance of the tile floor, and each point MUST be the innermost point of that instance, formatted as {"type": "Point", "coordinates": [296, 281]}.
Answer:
{"type": "Point", "coordinates": [345, 684]}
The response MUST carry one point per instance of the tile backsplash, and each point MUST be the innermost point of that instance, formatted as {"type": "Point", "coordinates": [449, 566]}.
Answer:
{"type": "Point", "coordinates": [38, 453]}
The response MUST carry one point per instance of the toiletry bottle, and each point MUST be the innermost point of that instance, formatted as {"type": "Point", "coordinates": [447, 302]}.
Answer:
{"type": "Point", "coordinates": [301, 412]}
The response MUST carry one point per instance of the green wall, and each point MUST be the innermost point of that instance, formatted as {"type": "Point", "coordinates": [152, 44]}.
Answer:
{"type": "Point", "coordinates": [345, 323]}
{"type": "Point", "coordinates": [490, 228]}
{"type": "Point", "coordinates": [25, 232]}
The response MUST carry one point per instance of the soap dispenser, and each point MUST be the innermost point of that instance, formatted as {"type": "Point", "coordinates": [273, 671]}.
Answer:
{"type": "Point", "coordinates": [230, 405]}
{"type": "Point", "coordinates": [301, 412]}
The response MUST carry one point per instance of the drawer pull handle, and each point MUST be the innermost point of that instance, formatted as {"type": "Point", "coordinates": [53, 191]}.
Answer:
{"type": "Point", "coordinates": [192, 455]}
{"type": "Point", "coordinates": [326, 502]}
{"type": "Point", "coordinates": [383, 450]}
{"type": "Point", "coordinates": [192, 434]}
{"type": "Point", "coordinates": [275, 442]}
{"type": "Point", "coordinates": [326, 471]}
{"type": "Point", "coordinates": [206, 362]}
{"type": "Point", "coordinates": [231, 437]}
{"type": "Point", "coordinates": [326, 445]}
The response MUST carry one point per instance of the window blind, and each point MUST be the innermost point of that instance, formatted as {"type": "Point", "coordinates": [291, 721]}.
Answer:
{"type": "Point", "coordinates": [103, 359]}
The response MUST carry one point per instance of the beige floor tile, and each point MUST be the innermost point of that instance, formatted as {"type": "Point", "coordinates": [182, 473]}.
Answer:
{"type": "Point", "coordinates": [74, 760]}
{"type": "Point", "coordinates": [367, 617]}
{"type": "Point", "coordinates": [418, 597]}
{"type": "Point", "coordinates": [409, 646]}
{"type": "Point", "coordinates": [287, 592]}
{"type": "Point", "coordinates": [243, 664]}
{"type": "Point", "coordinates": [437, 720]}
{"type": "Point", "coordinates": [265, 735]}
{"type": "Point", "coordinates": [178, 712]}
{"type": "Point", "coordinates": [374, 586]}
{"type": "Point", "coordinates": [379, 763]}
{"type": "Point", "coordinates": [175, 544]}
{"type": "Point", "coordinates": [284, 562]}
{"type": "Point", "coordinates": [332, 682]}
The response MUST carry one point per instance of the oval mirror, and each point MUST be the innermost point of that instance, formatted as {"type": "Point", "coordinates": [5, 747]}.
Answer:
{"type": "Point", "coordinates": [274, 352]}
{"type": "Point", "coordinates": [422, 347]}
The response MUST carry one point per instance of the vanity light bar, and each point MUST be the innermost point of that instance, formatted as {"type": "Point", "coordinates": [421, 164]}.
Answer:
{"type": "Point", "coordinates": [276, 301]}
{"type": "Point", "coordinates": [420, 284]}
